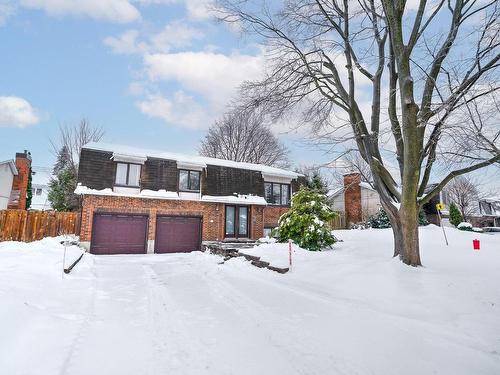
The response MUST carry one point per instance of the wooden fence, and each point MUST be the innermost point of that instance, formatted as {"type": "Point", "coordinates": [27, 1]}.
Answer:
{"type": "Point", "coordinates": [339, 221]}
{"type": "Point", "coordinates": [20, 225]}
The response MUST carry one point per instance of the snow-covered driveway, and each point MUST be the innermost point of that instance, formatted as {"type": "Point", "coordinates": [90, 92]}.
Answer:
{"type": "Point", "coordinates": [349, 311]}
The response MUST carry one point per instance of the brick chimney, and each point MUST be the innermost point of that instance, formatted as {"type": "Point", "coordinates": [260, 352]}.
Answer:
{"type": "Point", "coordinates": [352, 198]}
{"type": "Point", "coordinates": [20, 182]}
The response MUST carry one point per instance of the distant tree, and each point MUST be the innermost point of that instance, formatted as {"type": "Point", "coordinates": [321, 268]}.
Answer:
{"type": "Point", "coordinates": [455, 215]}
{"type": "Point", "coordinates": [61, 196]}
{"type": "Point", "coordinates": [29, 190]}
{"type": "Point", "coordinates": [72, 138]}
{"type": "Point", "coordinates": [463, 192]}
{"type": "Point", "coordinates": [314, 179]}
{"type": "Point", "coordinates": [307, 221]}
{"type": "Point", "coordinates": [67, 149]}
{"type": "Point", "coordinates": [243, 135]}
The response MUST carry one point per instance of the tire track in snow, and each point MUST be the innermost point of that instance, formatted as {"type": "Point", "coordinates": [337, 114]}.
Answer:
{"type": "Point", "coordinates": [82, 330]}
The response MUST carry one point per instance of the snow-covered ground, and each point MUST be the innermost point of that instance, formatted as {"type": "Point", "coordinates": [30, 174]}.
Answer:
{"type": "Point", "coordinates": [350, 310]}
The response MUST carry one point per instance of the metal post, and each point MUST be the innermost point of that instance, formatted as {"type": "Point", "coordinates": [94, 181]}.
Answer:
{"type": "Point", "coordinates": [64, 257]}
{"type": "Point", "coordinates": [442, 227]}
{"type": "Point", "coordinates": [290, 255]}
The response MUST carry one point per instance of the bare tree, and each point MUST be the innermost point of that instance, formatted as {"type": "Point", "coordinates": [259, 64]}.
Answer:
{"type": "Point", "coordinates": [365, 71]}
{"type": "Point", "coordinates": [71, 139]}
{"type": "Point", "coordinates": [463, 191]}
{"type": "Point", "coordinates": [243, 135]}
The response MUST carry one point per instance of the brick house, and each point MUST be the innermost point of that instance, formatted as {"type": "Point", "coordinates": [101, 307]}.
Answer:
{"type": "Point", "coordinates": [144, 201]}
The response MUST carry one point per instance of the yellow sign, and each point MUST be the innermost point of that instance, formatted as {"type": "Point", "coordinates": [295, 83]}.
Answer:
{"type": "Point", "coordinates": [440, 206]}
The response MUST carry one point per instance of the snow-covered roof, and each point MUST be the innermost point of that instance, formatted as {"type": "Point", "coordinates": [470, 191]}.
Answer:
{"type": "Point", "coordinates": [164, 194]}
{"type": "Point", "coordinates": [235, 199]}
{"type": "Point", "coordinates": [366, 185]}
{"type": "Point", "coordinates": [40, 175]}
{"type": "Point", "coordinates": [491, 199]}
{"type": "Point", "coordinates": [334, 192]}
{"type": "Point", "coordinates": [11, 164]}
{"type": "Point", "coordinates": [199, 161]}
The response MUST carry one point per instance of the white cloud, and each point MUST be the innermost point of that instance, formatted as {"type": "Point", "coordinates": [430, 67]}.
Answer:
{"type": "Point", "coordinates": [173, 36]}
{"type": "Point", "coordinates": [7, 9]}
{"type": "Point", "coordinates": [182, 110]}
{"type": "Point", "coordinates": [121, 11]}
{"type": "Point", "coordinates": [213, 75]}
{"type": "Point", "coordinates": [17, 112]}
{"type": "Point", "coordinates": [126, 43]}
{"type": "Point", "coordinates": [199, 9]}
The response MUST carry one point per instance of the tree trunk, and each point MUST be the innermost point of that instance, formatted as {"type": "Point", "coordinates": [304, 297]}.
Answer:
{"type": "Point", "coordinates": [404, 223]}
{"type": "Point", "coordinates": [409, 232]}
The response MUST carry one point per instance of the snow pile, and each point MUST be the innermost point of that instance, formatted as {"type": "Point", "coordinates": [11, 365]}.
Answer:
{"type": "Point", "coordinates": [464, 226]}
{"type": "Point", "coordinates": [154, 194]}
{"type": "Point", "coordinates": [235, 199]}
{"type": "Point", "coordinates": [350, 310]}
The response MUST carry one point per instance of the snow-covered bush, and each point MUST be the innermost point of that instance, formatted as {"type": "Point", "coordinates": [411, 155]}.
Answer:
{"type": "Point", "coordinates": [380, 220]}
{"type": "Point", "coordinates": [307, 221]}
{"type": "Point", "coordinates": [465, 226]}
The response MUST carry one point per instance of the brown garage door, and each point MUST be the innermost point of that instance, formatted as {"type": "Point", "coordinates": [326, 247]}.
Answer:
{"type": "Point", "coordinates": [177, 234]}
{"type": "Point", "coordinates": [119, 234]}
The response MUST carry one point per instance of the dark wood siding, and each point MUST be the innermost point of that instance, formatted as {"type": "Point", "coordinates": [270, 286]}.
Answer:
{"type": "Point", "coordinates": [159, 174]}
{"type": "Point", "coordinates": [298, 183]}
{"type": "Point", "coordinates": [221, 181]}
{"type": "Point", "coordinates": [96, 169]}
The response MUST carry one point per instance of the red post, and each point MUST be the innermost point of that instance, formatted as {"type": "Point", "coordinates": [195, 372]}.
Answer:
{"type": "Point", "coordinates": [290, 253]}
{"type": "Point", "coordinates": [476, 244]}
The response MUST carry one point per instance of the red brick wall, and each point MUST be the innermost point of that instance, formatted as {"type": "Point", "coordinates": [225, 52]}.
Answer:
{"type": "Point", "coordinates": [212, 213]}
{"type": "Point", "coordinates": [257, 222]}
{"type": "Point", "coordinates": [352, 198]}
{"type": "Point", "coordinates": [20, 182]}
{"type": "Point", "coordinates": [272, 215]}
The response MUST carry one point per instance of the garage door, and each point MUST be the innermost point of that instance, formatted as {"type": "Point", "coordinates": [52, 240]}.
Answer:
{"type": "Point", "coordinates": [175, 234]}
{"type": "Point", "coordinates": [119, 234]}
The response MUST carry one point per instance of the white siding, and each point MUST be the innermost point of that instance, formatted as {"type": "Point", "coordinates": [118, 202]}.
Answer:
{"type": "Point", "coordinates": [338, 202]}
{"type": "Point", "coordinates": [6, 178]}
{"type": "Point", "coordinates": [370, 202]}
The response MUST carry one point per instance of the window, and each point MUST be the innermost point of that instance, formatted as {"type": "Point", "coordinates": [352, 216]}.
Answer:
{"type": "Point", "coordinates": [189, 180]}
{"type": "Point", "coordinates": [278, 194]}
{"type": "Point", "coordinates": [128, 174]}
{"type": "Point", "coordinates": [485, 208]}
{"type": "Point", "coordinates": [38, 191]}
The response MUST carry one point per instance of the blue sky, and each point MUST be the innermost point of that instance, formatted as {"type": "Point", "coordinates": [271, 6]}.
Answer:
{"type": "Point", "coordinates": [152, 73]}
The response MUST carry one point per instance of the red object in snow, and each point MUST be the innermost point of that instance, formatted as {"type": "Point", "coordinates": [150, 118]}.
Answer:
{"type": "Point", "coordinates": [475, 244]}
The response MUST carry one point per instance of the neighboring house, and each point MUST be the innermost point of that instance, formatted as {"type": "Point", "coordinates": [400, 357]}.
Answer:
{"type": "Point", "coordinates": [489, 208]}
{"type": "Point", "coordinates": [14, 176]}
{"type": "Point", "coordinates": [8, 171]}
{"type": "Point", "coordinates": [483, 212]}
{"type": "Point", "coordinates": [40, 188]}
{"type": "Point", "coordinates": [357, 199]}
{"type": "Point", "coordinates": [138, 201]}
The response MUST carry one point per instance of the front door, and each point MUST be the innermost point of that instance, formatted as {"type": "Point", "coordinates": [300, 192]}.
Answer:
{"type": "Point", "coordinates": [237, 219]}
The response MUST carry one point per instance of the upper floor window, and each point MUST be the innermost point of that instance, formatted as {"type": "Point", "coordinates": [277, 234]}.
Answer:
{"type": "Point", "coordinates": [276, 193]}
{"type": "Point", "coordinates": [189, 180]}
{"type": "Point", "coordinates": [128, 174]}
